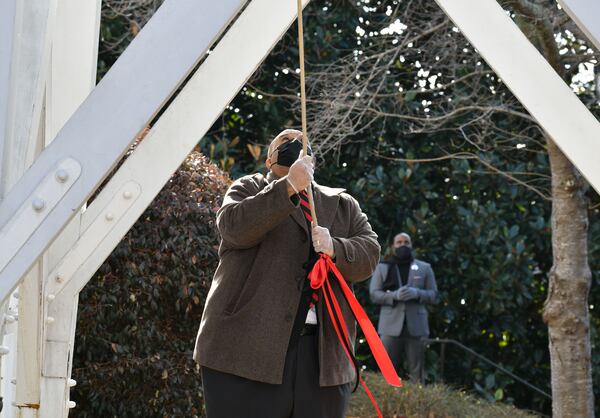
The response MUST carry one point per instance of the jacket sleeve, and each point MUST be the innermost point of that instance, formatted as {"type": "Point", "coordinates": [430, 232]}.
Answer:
{"type": "Point", "coordinates": [249, 213]}
{"type": "Point", "coordinates": [378, 295]}
{"type": "Point", "coordinates": [356, 256]}
{"type": "Point", "coordinates": [429, 294]}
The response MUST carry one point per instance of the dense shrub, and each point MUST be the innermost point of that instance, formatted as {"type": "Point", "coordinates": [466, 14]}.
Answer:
{"type": "Point", "coordinates": [139, 315]}
{"type": "Point", "coordinates": [431, 401]}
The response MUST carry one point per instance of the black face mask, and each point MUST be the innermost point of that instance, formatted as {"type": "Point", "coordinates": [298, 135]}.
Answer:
{"type": "Point", "coordinates": [288, 152]}
{"type": "Point", "coordinates": [403, 253]}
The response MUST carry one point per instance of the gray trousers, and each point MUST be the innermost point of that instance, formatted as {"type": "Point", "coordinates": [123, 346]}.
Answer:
{"type": "Point", "coordinates": [414, 350]}
{"type": "Point", "coordinates": [299, 396]}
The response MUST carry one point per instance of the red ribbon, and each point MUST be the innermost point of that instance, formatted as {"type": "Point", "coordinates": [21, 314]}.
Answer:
{"type": "Point", "coordinates": [319, 278]}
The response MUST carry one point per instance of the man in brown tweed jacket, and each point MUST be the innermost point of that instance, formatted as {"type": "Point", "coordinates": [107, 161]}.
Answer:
{"type": "Point", "coordinates": [267, 349]}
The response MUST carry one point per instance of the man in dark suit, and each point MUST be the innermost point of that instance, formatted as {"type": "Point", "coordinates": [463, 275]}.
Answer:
{"type": "Point", "coordinates": [266, 346]}
{"type": "Point", "coordinates": [403, 286]}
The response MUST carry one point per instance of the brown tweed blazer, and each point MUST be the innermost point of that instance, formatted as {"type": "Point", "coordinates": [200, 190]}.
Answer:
{"type": "Point", "coordinates": [254, 296]}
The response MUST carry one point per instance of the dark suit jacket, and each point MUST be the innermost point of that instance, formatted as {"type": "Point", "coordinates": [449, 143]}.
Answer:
{"type": "Point", "coordinates": [393, 312]}
{"type": "Point", "coordinates": [255, 293]}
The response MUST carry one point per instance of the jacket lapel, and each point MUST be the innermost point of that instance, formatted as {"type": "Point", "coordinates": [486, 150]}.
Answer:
{"type": "Point", "coordinates": [327, 200]}
{"type": "Point", "coordinates": [298, 216]}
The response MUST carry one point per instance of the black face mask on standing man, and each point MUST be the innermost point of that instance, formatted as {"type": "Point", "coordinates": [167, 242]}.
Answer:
{"type": "Point", "coordinates": [288, 152]}
{"type": "Point", "coordinates": [403, 253]}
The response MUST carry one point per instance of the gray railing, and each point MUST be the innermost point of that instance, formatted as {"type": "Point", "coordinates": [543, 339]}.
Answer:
{"type": "Point", "coordinates": [444, 342]}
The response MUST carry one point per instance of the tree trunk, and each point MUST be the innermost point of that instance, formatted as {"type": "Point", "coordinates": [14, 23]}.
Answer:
{"type": "Point", "coordinates": [566, 308]}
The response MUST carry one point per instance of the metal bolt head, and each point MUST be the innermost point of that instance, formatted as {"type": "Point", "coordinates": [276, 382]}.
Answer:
{"type": "Point", "coordinates": [127, 194]}
{"type": "Point", "coordinates": [109, 216]}
{"type": "Point", "coordinates": [38, 204]}
{"type": "Point", "coordinates": [15, 295]}
{"type": "Point", "coordinates": [62, 175]}
{"type": "Point", "coordinates": [71, 404]}
{"type": "Point", "coordinates": [4, 350]}
{"type": "Point", "coordinates": [50, 297]}
{"type": "Point", "coordinates": [50, 320]}
{"type": "Point", "coordinates": [72, 382]}
{"type": "Point", "coordinates": [59, 279]}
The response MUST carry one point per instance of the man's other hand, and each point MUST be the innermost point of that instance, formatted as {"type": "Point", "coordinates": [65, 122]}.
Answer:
{"type": "Point", "coordinates": [407, 293]}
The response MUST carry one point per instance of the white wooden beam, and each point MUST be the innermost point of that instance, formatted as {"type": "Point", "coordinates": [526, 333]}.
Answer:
{"type": "Point", "coordinates": [7, 320]}
{"type": "Point", "coordinates": [28, 64]}
{"type": "Point", "coordinates": [74, 61]}
{"type": "Point", "coordinates": [99, 133]}
{"type": "Point", "coordinates": [532, 80]}
{"type": "Point", "coordinates": [21, 139]}
{"type": "Point", "coordinates": [72, 76]}
{"type": "Point", "coordinates": [29, 354]}
{"type": "Point", "coordinates": [7, 22]}
{"type": "Point", "coordinates": [586, 14]}
{"type": "Point", "coordinates": [9, 377]}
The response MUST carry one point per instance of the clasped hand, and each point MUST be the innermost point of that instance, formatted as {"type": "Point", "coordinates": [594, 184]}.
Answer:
{"type": "Point", "coordinates": [406, 293]}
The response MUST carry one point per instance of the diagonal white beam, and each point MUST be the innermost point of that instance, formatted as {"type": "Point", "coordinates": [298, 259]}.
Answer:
{"type": "Point", "coordinates": [127, 98]}
{"type": "Point", "coordinates": [532, 80]}
{"type": "Point", "coordinates": [586, 14]}
{"type": "Point", "coordinates": [188, 118]}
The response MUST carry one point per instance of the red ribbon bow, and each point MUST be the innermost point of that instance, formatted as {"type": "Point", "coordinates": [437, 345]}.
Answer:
{"type": "Point", "coordinates": [319, 279]}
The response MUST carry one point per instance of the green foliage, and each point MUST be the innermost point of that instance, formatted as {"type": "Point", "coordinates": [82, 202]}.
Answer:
{"type": "Point", "coordinates": [431, 401]}
{"type": "Point", "coordinates": [487, 254]}
{"type": "Point", "coordinates": [139, 315]}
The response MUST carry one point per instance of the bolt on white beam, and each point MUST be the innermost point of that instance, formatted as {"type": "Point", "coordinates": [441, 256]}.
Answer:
{"type": "Point", "coordinates": [532, 80]}
{"type": "Point", "coordinates": [586, 14]}
{"type": "Point", "coordinates": [139, 83]}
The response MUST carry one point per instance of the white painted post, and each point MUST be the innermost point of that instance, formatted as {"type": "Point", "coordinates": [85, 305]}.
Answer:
{"type": "Point", "coordinates": [9, 375]}
{"type": "Point", "coordinates": [72, 78]}
{"type": "Point", "coordinates": [532, 80]}
{"type": "Point", "coordinates": [29, 61]}
{"type": "Point", "coordinates": [139, 83]}
{"type": "Point", "coordinates": [586, 14]}
{"type": "Point", "coordinates": [29, 345]}
{"type": "Point", "coordinates": [7, 22]}
{"type": "Point", "coordinates": [23, 76]}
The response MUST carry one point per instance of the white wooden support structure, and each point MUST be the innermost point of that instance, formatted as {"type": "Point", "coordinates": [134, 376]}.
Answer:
{"type": "Point", "coordinates": [532, 80]}
{"type": "Point", "coordinates": [72, 76]}
{"type": "Point", "coordinates": [7, 330]}
{"type": "Point", "coordinates": [586, 14]}
{"type": "Point", "coordinates": [99, 133]}
{"type": "Point", "coordinates": [25, 57]}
